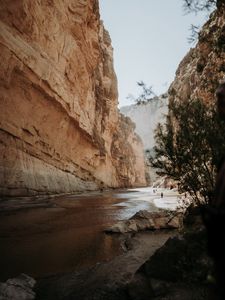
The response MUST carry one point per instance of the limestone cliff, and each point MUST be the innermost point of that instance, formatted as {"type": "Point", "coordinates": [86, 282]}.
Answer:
{"type": "Point", "coordinates": [202, 69]}
{"type": "Point", "coordinates": [146, 117]}
{"type": "Point", "coordinates": [125, 143]}
{"type": "Point", "coordinates": [60, 130]}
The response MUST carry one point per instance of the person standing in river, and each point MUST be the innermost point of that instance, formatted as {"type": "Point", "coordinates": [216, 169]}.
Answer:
{"type": "Point", "coordinates": [214, 215]}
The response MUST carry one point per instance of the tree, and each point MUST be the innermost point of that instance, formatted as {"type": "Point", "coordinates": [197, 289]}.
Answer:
{"type": "Point", "coordinates": [189, 147]}
{"type": "Point", "coordinates": [193, 38]}
{"type": "Point", "coordinates": [145, 95]}
{"type": "Point", "coordinates": [199, 5]}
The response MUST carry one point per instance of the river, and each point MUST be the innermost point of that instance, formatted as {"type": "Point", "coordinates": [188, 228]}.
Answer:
{"type": "Point", "coordinates": [66, 233]}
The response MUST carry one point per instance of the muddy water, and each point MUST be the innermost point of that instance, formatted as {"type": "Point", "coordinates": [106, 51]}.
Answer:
{"type": "Point", "coordinates": [67, 233]}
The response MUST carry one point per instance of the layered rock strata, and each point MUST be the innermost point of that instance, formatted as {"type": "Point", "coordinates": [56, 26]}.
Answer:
{"type": "Point", "coordinates": [60, 130]}
{"type": "Point", "coordinates": [146, 116]}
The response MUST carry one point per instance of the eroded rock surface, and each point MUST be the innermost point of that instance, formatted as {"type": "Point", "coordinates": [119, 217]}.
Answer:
{"type": "Point", "coordinates": [146, 115]}
{"type": "Point", "coordinates": [18, 288]}
{"type": "Point", "coordinates": [178, 270]}
{"type": "Point", "coordinates": [202, 69]}
{"type": "Point", "coordinates": [60, 130]}
{"type": "Point", "coordinates": [144, 220]}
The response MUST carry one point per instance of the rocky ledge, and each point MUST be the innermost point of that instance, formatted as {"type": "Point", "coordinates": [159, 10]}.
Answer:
{"type": "Point", "coordinates": [145, 220]}
{"type": "Point", "coordinates": [179, 270]}
{"type": "Point", "coordinates": [18, 288]}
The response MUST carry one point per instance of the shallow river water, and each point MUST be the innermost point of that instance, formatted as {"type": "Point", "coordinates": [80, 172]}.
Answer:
{"type": "Point", "coordinates": [67, 234]}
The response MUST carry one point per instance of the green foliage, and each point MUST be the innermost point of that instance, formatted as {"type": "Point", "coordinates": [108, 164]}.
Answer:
{"type": "Point", "coordinates": [189, 147]}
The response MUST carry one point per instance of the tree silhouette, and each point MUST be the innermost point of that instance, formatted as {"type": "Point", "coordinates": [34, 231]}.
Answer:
{"type": "Point", "coordinates": [189, 147]}
{"type": "Point", "coordinates": [146, 93]}
{"type": "Point", "coordinates": [199, 5]}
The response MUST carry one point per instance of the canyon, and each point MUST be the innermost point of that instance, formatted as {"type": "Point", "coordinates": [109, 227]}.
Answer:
{"type": "Point", "coordinates": [60, 128]}
{"type": "Point", "coordinates": [146, 116]}
{"type": "Point", "coordinates": [61, 132]}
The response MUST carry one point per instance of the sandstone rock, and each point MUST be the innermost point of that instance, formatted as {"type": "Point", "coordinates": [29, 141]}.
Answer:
{"type": "Point", "coordinates": [145, 220]}
{"type": "Point", "coordinates": [158, 220]}
{"type": "Point", "coordinates": [181, 258]}
{"type": "Point", "coordinates": [60, 129]}
{"type": "Point", "coordinates": [121, 227]}
{"type": "Point", "coordinates": [177, 270]}
{"type": "Point", "coordinates": [175, 222]}
{"type": "Point", "coordinates": [18, 288]}
{"type": "Point", "coordinates": [146, 117]}
{"type": "Point", "coordinates": [201, 70]}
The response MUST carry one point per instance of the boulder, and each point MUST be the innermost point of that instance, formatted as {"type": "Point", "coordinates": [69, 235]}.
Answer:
{"type": "Point", "coordinates": [18, 288]}
{"type": "Point", "coordinates": [182, 258]}
{"type": "Point", "coordinates": [145, 220]}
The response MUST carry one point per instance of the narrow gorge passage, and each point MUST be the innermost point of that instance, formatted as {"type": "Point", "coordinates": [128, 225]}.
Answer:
{"type": "Point", "coordinates": [111, 142]}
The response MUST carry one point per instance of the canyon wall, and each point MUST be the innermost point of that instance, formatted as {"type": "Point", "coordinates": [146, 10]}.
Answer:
{"type": "Point", "coordinates": [60, 129]}
{"type": "Point", "coordinates": [203, 68]}
{"type": "Point", "coordinates": [146, 117]}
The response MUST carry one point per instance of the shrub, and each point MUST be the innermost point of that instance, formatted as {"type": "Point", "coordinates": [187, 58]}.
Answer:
{"type": "Point", "coordinates": [189, 147]}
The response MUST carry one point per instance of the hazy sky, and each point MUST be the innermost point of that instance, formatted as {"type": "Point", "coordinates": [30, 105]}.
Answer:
{"type": "Point", "coordinates": [149, 38]}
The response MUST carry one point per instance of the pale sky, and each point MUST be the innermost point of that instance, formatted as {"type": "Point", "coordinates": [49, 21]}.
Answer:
{"type": "Point", "coordinates": [149, 38]}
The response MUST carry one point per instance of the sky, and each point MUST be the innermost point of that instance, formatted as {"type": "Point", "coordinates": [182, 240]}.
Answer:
{"type": "Point", "coordinates": [150, 38]}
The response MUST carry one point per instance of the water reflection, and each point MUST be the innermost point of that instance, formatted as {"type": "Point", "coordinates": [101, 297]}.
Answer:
{"type": "Point", "coordinates": [68, 234]}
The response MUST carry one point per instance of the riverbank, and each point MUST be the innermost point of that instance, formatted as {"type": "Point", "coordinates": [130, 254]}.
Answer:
{"type": "Point", "coordinates": [11, 203]}
{"type": "Point", "coordinates": [159, 265]}
{"type": "Point", "coordinates": [169, 200]}
{"type": "Point", "coordinates": [65, 235]}
{"type": "Point", "coordinates": [105, 280]}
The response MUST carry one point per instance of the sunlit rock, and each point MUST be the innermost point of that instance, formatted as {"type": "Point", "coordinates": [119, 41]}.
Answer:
{"type": "Point", "coordinates": [60, 129]}
{"type": "Point", "coordinates": [146, 116]}
{"type": "Point", "coordinates": [145, 220]}
{"type": "Point", "coordinates": [203, 68]}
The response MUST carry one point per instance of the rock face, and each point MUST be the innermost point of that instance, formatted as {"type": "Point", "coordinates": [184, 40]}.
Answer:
{"type": "Point", "coordinates": [178, 270]}
{"type": "Point", "coordinates": [146, 117]}
{"type": "Point", "coordinates": [19, 288]}
{"type": "Point", "coordinates": [200, 72]}
{"type": "Point", "coordinates": [60, 130]}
